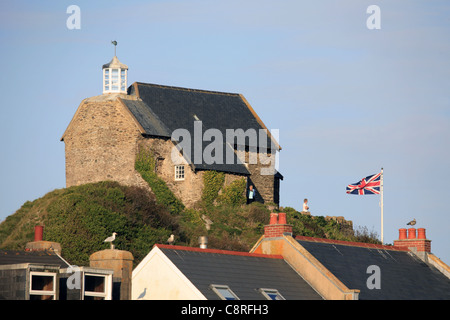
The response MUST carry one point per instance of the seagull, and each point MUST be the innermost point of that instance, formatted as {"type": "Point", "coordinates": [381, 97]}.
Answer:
{"type": "Point", "coordinates": [412, 222]}
{"type": "Point", "coordinates": [171, 239]}
{"type": "Point", "coordinates": [111, 239]}
{"type": "Point", "coordinates": [207, 221]}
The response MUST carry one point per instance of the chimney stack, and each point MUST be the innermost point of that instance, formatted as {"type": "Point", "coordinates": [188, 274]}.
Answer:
{"type": "Point", "coordinates": [416, 242]}
{"type": "Point", "coordinates": [39, 244]}
{"type": "Point", "coordinates": [277, 226]}
{"type": "Point", "coordinates": [121, 262]}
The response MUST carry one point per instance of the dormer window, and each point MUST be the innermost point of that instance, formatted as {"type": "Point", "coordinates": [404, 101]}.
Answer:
{"type": "Point", "coordinates": [115, 77]}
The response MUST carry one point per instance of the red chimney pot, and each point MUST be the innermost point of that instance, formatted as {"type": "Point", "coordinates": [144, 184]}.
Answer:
{"type": "Point", "coordinates": [273, 218]}
{"type": "Point", "coordinates": [402, 234]}
{"type": "Point", "coordinates": [421, 233]}
{"type": "Point", "coordinates": [411, 233]}
{"type": "Point", "coordinates": [38, 233]}
{"type": "Point", "coordinates": [282, 218]}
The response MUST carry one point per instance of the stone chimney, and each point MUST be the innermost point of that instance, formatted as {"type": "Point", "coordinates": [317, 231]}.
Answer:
{"type": "Point", "coordinates": [39, 244]}
{"type": "Point", "coordinates": [416, 242]}
{"type": "Point", "coordinates": [277, 226]}
{"type": "Point", "coordinates": [121, 262]}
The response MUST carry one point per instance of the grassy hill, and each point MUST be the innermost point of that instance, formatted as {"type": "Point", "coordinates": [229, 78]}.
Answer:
{"type": "Point", "coordinates": [81, 217]}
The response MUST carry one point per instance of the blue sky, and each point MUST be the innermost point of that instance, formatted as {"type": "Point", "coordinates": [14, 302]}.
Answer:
{"type": "Point", "coordinates": [346, 100]}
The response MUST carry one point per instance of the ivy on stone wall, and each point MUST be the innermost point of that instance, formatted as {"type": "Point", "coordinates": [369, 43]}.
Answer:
{"type": "Point", "coordinates": [145, 165]}
{"type": "Point", "coordinates": [212, 183]}
{"type": "Point", "coordinates": [234, 193]}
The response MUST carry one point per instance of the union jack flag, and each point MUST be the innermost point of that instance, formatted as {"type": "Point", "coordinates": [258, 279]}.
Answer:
{"type": "Point", "coordinates": [368, 185]}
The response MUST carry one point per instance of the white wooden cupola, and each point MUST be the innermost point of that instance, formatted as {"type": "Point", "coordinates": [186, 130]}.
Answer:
{"type": "Point", "coordinates": [115, 76]}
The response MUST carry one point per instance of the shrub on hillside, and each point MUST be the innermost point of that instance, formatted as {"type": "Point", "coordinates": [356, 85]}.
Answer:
{"type": "Point", "coordinates": [82, 217]}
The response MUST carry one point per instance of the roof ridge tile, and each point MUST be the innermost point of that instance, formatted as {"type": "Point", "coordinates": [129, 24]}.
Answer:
{"type": "Point", "coordinates": [219, 251]}
{"type": "Point", "coordinates": [351, 243]}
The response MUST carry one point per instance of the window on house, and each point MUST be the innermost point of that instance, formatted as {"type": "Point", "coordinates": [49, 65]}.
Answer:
{"type": "Point", "coordinates": [95, 287]}
{"type": "Point", "coordinates": [42, 286]}
{"type": "Point", "coordinates": [224, 292]}
{"type": "Point", "coordinates": [179, 172]}
{"type": "Point", "coordinates": [271, 294]}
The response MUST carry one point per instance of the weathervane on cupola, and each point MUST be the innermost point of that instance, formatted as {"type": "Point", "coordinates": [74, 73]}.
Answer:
{"type": "Point", "coordinates": [115, 75]}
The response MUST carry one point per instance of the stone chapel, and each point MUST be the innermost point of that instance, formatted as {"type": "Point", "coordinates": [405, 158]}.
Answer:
{"type": "Point", "coordinates": [189, 131]}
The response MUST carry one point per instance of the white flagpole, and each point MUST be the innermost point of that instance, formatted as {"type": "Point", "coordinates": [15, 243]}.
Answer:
{"type": "Point", "coordinates": [381, 204]}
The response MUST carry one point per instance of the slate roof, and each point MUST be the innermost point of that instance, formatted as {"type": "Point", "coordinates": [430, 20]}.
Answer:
{"type": "Point", "coordinates": [149, 121]}
{"type": "Point", "coordinates": [8, 257]}
{"type": "Point", "coordinates": [403, 275]}
{"type": "Point", "coordinates": [243, 272]}
{"type": "Point", "coordinates": [163, 109]}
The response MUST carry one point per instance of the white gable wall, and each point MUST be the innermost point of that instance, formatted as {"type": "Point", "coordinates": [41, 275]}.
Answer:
{"type": "Point", "coordinates": [157, 278]}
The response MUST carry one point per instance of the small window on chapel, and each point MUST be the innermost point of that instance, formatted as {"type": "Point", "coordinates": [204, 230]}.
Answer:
{"type": "Point", "coordinates": [179, 172]}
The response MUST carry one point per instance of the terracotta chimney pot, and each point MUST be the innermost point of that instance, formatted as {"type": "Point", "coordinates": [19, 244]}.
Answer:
{"type": "Point", "coordinates": [402, 234]}
{"type": "Point", "coordinates": [421, 233]}
{"type": "Point", "coordinates": [273, 218]}
{"type": "Point", "coordinates": [411, 233]}
{"type": "Point", "coordinates": [38, 233]}
{"type": "Point", "coordinates": [282, 218]}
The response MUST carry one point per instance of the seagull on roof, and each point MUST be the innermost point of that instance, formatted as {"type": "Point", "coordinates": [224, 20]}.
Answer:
{"type": "Point", "coordinates": [112, 238]}
{"type": "Point", "coordinates": [412, 222]}
{"type": "Point", "coordinates": [171, 239]}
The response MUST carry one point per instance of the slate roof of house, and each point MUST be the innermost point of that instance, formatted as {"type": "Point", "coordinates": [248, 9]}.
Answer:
{"type": "Point", "coordinates": [8, 257]}
{"type": "Point", "coordinates": [403, 276]}
{"type": "Point", "coordinates": [243, 272]}
{"type": "Point", "coordinates": [164, 109]}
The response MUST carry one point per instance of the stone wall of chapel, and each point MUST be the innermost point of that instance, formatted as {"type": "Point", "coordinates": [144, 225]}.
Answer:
{"type": "Point", "coordinates": [101, 144]}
